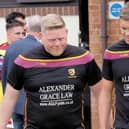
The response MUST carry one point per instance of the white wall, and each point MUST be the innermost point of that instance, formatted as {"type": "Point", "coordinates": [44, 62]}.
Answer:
{"type": "Point", "coordinates": [72, 23]}
{"type": "Point", "coordinates": [2, 30]}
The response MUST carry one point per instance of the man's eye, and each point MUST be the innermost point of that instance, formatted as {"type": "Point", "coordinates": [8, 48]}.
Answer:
{"type": "Point", "coordinates": [18, 33]}
{"type": "Point", "coordinates": [61, 39]}
{"type": "Point", "coordinates": [123, 28]}
{"type": "Point", "coordinates": [51, 40]}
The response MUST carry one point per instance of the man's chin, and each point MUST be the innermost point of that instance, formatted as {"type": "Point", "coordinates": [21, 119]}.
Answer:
{"type": "Point", "coordinates": [127, 41]}
{"type": "Point", "coordinates": [56, 54]}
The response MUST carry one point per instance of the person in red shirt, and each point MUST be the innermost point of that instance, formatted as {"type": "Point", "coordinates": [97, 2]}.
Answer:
{"type": "Point", "coordinates": [12, 29]}
{"type": "Point", "coordinates": [12, 35]}
{"type": "Point", "coordinates": [15, 31]}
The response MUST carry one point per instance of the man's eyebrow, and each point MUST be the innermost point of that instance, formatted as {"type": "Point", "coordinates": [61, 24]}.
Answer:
{"type": "Point", "coordinates": [20, 33]}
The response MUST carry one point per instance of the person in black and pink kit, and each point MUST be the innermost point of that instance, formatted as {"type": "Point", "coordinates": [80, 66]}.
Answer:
{"type": "Point", "coordinates": [53, 76]}
{"type": "Point", "coordinates": [116, 74]}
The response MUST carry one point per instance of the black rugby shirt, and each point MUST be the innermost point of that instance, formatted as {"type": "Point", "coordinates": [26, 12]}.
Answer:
{"type": "Point", "coordinates": [116, 68]}
{"type": "Point", "coordinates": [54, 85]}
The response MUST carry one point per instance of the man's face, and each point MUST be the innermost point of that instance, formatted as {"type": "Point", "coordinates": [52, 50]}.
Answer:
{"type": "Point", "coordinates": [15, 33]}
{"type": "Point", "coordinates": [55, 41]}
{"type": "Point", "coordinates": [124, 27]}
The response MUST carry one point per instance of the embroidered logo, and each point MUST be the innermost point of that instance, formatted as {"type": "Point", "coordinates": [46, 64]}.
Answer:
{"type": "Point", "coordinates": [71, 73]}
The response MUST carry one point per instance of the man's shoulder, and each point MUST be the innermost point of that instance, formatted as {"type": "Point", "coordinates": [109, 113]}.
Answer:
{"type": "Point", "coordinates": [23, 43]}
{"type": "Point", "coordinates": [118, 46]}
{"type": "Point", "coordinates": [3, 48]}
{"type": "Point", "coordinates": [4, 45]}
{"type": "Point", "coordinates": [118, 50]}
{"type": "Point", "coordinates": [76, 50]}
{"type": "Point", "coordinates": [18, 42]}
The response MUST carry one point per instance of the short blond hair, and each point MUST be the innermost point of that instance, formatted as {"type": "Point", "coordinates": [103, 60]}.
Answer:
{"type": "Point", "coordinates": [124, 12]}
{"type": "Point", "coordinates": [52, 21]}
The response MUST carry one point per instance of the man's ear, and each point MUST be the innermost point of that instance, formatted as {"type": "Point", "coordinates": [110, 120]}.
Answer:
{"type": "Point", "coordinates": [26, 29]}
{"type": "Point", "coordinates": [40, 35]}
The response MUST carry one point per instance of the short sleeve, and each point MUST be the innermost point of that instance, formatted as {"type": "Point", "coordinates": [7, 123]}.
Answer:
{"type": "Point", "coordinates": [94, 73]}
{"type": "Point", "coordinates": [107, 69]}
{"type": "Point", "coordinates": [15, 77]}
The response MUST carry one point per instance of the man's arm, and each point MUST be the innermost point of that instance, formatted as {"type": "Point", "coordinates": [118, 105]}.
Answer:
{"type": "Point", "coordinates": [104, 104]}
{"type": "Point", "coordinates": [7, 105]}
{"type": "Point", "coordinates": [5, 70]}
{"type": "Point", "coordinates": [95, 89]}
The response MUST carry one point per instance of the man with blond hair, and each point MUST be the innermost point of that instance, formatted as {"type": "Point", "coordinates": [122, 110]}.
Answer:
{"type": "Point", "coordinates": [54, 76]}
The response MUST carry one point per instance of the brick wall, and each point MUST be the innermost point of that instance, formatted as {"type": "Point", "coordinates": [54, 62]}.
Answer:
{"type": "Point", "coordinates": [113, 29]}
{"type": "Point", "coordinates": [113, 32]}
{"type": "Point", "coordinates": [63, 10]}
{"type": "Point", "coordinates": [94, 29]}
{"type": "Point", "coordinates": [95, 46]}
